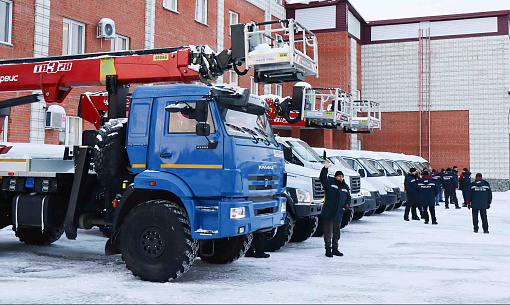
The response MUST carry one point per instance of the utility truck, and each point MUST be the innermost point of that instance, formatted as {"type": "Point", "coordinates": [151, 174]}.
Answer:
{"type": "Point", "coordinates": [192, 172]}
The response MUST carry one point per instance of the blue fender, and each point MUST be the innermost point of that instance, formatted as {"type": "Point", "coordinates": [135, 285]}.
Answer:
{"type": "Point", "coordinates": [164, 181]}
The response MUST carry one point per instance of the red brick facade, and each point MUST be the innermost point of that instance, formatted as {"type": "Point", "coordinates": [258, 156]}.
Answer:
{"type": "Point", "coordinates": [400, 134]}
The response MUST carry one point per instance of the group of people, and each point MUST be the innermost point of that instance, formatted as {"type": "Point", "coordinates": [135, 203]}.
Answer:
{"type": "Point", "coordinates": [424, 193]}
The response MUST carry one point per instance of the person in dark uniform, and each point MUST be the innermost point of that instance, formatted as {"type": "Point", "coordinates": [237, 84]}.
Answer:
{"type": "Point", "coordinates": [337, 199]}
{"type": "Point", "coordinates": [455, 170]}
{"type": "Point", "coordinates": [412, 195]}
{"type": "Point", "coordinates": [465, 184]}
{"type": "Point", "coordinates": [450, 183]}
{"type": "Point", "coordinates": [427, 192]}
{"type": "Point", "coordinates": [480, 199]}
{"type": "Point", "coordinates": [437, 179]}
{"type": "Point", "coordinates": [441, 191]}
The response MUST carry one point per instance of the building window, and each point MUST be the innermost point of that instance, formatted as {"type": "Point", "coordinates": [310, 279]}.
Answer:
{"type": "Point", "coordinates": [278, 43]}
{"type": "Point", "coordinates": [254, 87]}
{"type": "Point", "coordinates": [234, 19]}
{"type": "Point", "coordinates": [3, 134]}
{"type": "Point", "coordinates": [72, 134]}
{"type": "Point", "coordinates": [201, 11]}
{"type": "Point", "coordinates": [232, 77]}
{"type": "Point", "coordinates": [73, 38]}
{"type": "Point", "coordinates": [358, 95]}
{"type": "Point", "coordinates": [278, 90]}
{"type": "Point", "coordinates": [5, 21]}
{"type": "Point", "coordinates": [120, 43]}
{"type": "Point", "coordinates": [170, 4]}
{"type": "Point", "coordinates": [280, 2]}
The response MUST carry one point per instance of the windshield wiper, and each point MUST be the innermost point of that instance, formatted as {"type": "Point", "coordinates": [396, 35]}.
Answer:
{"type": "Point", "coordinates": [261, 132]}
{"type": "Point", "coordinates": [252, 133]}
{"type": "Point", "coordinates": [236, 128]}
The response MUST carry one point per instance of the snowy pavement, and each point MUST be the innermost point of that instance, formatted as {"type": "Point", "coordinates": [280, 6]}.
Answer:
{"type": "Point", "coordinates": [386, 260]}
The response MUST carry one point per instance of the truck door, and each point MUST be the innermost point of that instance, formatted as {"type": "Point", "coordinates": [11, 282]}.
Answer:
{"type": "Point", "coordinates": [178, 150]}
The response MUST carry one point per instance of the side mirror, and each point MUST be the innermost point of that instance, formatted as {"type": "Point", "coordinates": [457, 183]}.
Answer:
{"type": "Point", "coordinates": [399, 171]}
{"type": "Point", "coordinates": [382, 171]}
{"type": "Point", "coordinates": [287, 153]}
{"type": "Point", "coordinates": [362, 173]}
{"type": "Point", "coordinates": [203, 129]}
{"type": "Point", "coordinates": [202, 111]}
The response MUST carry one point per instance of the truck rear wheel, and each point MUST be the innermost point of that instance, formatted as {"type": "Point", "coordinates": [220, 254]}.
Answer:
{"type": "Point", "coordinates": [110, 157]}
{"type": "Point", "coordinates": [229, 249]}
{"type": "Point", "coordinates": [347, 218]}
{"type": "Point", "coordinates": [319, 232]}
{"type": "Point", "coordinates": [380, 209]}
{"type": "Point", "coordinates": [282, 235]}
{"type": "Point", "coordinates": [305, 227]}
{"type": "Point", "coordinates": [358, 215]}
{"type": "Point", "coordinates": [34, 236]}
{"type": "Point", "coordinates": [155, 241]}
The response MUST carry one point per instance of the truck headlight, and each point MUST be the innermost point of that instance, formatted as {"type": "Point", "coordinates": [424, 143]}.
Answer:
{"type": "Point", "coordinates": [303, 196]}
{"type": "Point", "coordinates": [365, 193]}
{"type": "Point", "coordinates": [238, 213]}
{"type": "Point", "coordinates": [284, 207]}
{"type": "Point", "coordinates": [388, 189]}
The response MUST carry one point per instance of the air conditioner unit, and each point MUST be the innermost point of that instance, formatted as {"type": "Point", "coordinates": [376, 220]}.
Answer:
{"type": "Point", "coordinates": [55, 118]}
{"type": "Point", "coordinates": [106, 29]}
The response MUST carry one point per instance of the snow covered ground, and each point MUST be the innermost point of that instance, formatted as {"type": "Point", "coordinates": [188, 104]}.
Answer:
{"type": "Point", "coordinates": [386, 260]}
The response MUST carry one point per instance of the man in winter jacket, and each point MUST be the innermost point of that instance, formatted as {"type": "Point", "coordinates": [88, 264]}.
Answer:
{"type": "Point", "coordinates": [465, 184]}
{"type": "Point", "coordinates": [450, 183]}
{"type": "Point", "coordinates": [437, 179]}
{"type": "Point", "coordinates": [480, 199]}
{"type": "Point", "coordinates": [337, 199]}
{"type": "Point", "coordinates": [412, 195]}
{"type": "Point", "coordinates": [427, 192]}
{"type": "Point", "coordinates": [441, 191]}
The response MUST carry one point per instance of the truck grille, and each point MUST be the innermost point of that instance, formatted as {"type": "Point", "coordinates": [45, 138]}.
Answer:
{"type": "Point", "coordinates": [262, 182]}
{"type": "Point", "coordinates": [355, 184]}
{"type": "Point", "coordinates": [318, 190]}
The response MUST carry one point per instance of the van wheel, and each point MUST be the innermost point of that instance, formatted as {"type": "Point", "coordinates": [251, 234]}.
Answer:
{"type": "Point", "coordinates": [347, 218]}
{"type": "Point", "coordinates": [358, 215]}
{"type": "Point", "coordinates": [370, 213]}
{"type": "Point", "coordinates": [380, 209]}
{"type": "Point", "coordinates": [390, 207]}
{"type": "Point", "coordinates": [110, 157]}
{"type": "Point", "coordinates": [281, 236]}
{"type": "Point", "coordinates": [155, 241]}
{"type": "Point", "coordinates": [305, 228]}
{"type": "Point", "coordinates": [227, 250]}
{"type": "Point", "coordinates": [398, 205]}
{"type": "Point", "coordinates": [34, 236]}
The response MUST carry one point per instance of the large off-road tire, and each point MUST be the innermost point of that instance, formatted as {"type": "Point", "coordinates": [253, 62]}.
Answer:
{"type": "Point", "coordinates": [358, 215]}
{"type": "Point", "coordinates": [305, 228]}
{"type": "Point", "coordinates": [34, 236]}
{"type": "Point", "coordinates": [106, 230]}
{"type": "Point", "coordinates": [110, 157]}
{"type": "Point", "coordinates": [370, 213]}
{"type": "Point", "coordinates": [155, 241]}
{"type": "Point", "coordinates": [380, 209]}
{"type": "Point", "coordinates": [347, 218]}
{"type": "Point", "coordinates": [319, 232]}
{"type": "Point", "coordinates": [229, 249]}
{"type": "Point", "coordinates": [390, 207]}
{"type": "Point", "coordinates": [282, 235]}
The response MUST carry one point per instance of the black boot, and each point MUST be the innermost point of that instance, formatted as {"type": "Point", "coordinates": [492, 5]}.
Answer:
{"type": "Point", "coordinates": [337, 253]}
{"type": "Point", "coordinates": [262, 255]}
{"type": "Point", "coordinates": [328, 252]}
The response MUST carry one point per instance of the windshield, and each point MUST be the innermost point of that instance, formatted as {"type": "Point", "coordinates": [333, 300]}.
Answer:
{"type": "Point", "coordinates": [372, 171]}
{"type": "Point", "coordinates": [342, 163]}
{"type": "Point", "coordinates": [403, 165]}
{"type": "Point", "coordinates": [388, 168]}
{"type": "Point", "coordinates": [305, 151]}
{"type": "Point", "coordinates": [419, 166]}
{"type": "Point", "coordinates": [246, 125]}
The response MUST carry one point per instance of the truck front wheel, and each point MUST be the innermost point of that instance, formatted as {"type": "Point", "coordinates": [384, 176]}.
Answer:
{"type": "Point", "coordinates": [229, 249]}
{"type": "Point", "coordinates": [282, 235]}
{"type": "Point", "coordinates": [305, 227]}
{"type": "Point", "coordinates": [34, 236]}
{"type": "Point", "coordinates": [155, 241]}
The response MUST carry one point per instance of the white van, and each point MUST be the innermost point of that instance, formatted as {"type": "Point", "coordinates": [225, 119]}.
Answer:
{"type": "Point", "coordinates": [368, 190]}
{"type": "Point", "coordinates": [386, 188]}
{"type": "Point", "coordinates": [303, 155]}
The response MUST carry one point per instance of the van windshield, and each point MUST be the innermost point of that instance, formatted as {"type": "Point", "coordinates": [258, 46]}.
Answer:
{"type": "Point", "coordinates": [403, 165]}
{"type": "Point", "coordinates": [342, 163]}
{"type": "Point", "coordinates": [371, 170]}
{"type": "Point", "coordinates": [305, 151]}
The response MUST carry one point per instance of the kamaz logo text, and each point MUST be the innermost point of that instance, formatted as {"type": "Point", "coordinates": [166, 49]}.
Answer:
{"type": "Point", "coordinates": [53, 67]}
{"type": "Point", "coordinates": [266, 167]}
{"type": "Point", "coordinates": [8, 78]}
